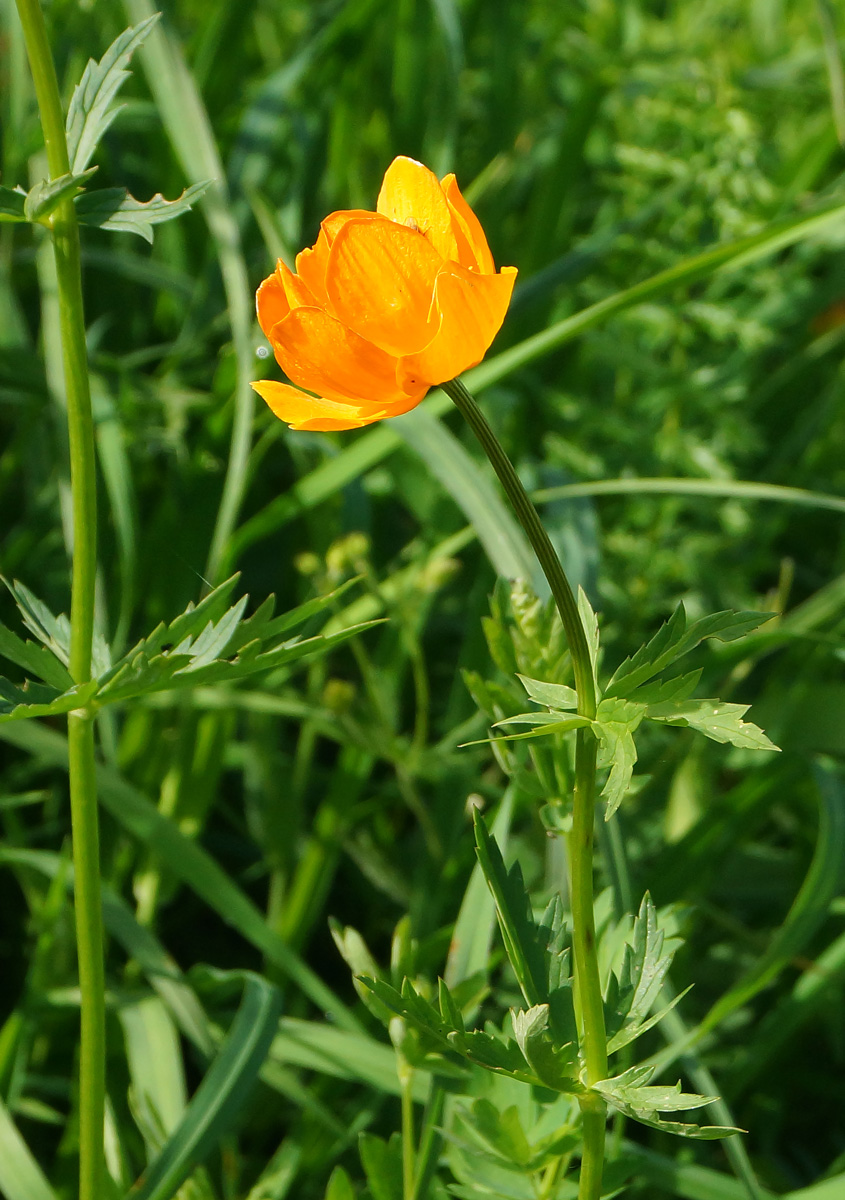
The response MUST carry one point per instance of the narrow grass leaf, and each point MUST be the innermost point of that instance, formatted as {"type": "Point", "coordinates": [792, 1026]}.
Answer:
{"type": "Point", "coordinates": [475, 494]}
{"type": "Point", "coordinates": [219, 1101]}
{"type": "Point", "coordinates": [21, 1178]}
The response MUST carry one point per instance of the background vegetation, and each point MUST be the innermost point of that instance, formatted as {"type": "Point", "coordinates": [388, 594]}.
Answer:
{"type": "Point", "coordinates": [600, 143]}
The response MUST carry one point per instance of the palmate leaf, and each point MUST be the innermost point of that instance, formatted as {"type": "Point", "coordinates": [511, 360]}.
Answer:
{"type": "Point", "coordinates": [91, 108]}
{"type": "Point", "coordinates": [114, 208]}
{"type": "Point", "coordinates": [675, 639]}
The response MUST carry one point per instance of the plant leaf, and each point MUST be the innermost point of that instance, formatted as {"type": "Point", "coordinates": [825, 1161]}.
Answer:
{"type": "Point", "coordinates": [554, 695]}
{"type": "Point", "coordinates": [91, 110]}
{"type": "Point", "coordinates": [674, 639]}
{"type": "Point", "coordinates": [12, 201]}
{"type": "Point", "coordinates": [114, 208]}
{"type": "Point", "coordinates": [21, 1178]}
{"type": "Point", "coordinates": [553, 1064]}
{"type": "Point", "coordinates": [35, 660]}
{"type": "Point", "coordinates": [615, 724]}
{"type": "Point", "coordinates": [39, 700]}
{"type": "Point", "coordinates": [519, 932]}
{"type": "Point", "coordinates": [382, 1163]}
{"type": "Point", "coordinates": [47, 195]}
{"type": "Point", "coordinates": [716, 720]}
{"type": "Point", "coordinates": [220, 1098]}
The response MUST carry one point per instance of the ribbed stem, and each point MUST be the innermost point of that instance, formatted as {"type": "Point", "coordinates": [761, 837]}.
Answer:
{"type": "Point", "coordinates": [83, 797]}
{"type": "Point", "coordinates": [580, 840]}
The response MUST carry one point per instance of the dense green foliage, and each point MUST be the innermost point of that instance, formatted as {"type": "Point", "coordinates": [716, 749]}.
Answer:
{"type": "Point", "coordinates": [600, 144]}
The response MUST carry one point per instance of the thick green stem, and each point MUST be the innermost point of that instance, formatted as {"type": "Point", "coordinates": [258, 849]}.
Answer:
{"type": "Point", "coordinates": [83, 796]}
{"type": "Point", "coordinates": [580, 840]}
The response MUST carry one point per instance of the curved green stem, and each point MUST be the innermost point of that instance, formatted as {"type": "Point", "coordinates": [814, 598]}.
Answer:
{"type": "Point", "coordinates": [580, 840]}
{"type": "Point", "coordinates": [540, 543]}
{"type": "Point", "coordinates": [83, 797]}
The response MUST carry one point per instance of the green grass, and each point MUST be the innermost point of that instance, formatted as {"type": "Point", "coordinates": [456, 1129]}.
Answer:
{"type": "Point", "coordinates": [686, 434]}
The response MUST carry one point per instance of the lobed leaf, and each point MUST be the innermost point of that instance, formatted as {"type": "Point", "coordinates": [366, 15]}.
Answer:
{"type": "Point", "coordinates": [554, 1065]}
{"type": "Point", "coordinates": [91, 111]}
{"type": "Point", "coordinates": [634, 989]}
{"type": "Point", "coordinates": [719, 721]}
{"type": "Point", "coordinates": [673, 640]}
{"type": "Point", "coordinates": [35, 660]}
{"type": "Point", "coordinates": [12, 202]}
{"type": "Point", "coordinates": [45, 197]}
{"type": "Point", "coordinates": [519, 932]}
{"type": "Point", "coordinates": [114, 208]}
{"type": "Point", "coordinates": [40, 700]}
{"type": "Point", "coordinates": [554, 695]}
{"type": "Point", "coordinates": [615, 724]}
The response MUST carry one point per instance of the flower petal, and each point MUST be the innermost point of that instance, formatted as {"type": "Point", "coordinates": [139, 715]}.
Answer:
{"type": "Point", "coordinates": [411, 195]}
{"type": "Point", "coordinates": [318, 352]}
{"type": "Point", "coordinates": [468, 230]}
{"type": "Point", "coordinates": [297, 292]}
{"type": "Point", "coordinates": [271, 303]}
{"type": "Point", "coordinates": [472, 308]}
{"type": "Point", "coordinates": [311, 264]}
{"type": "Point", "coordinates": [380, 282]}
{"type": "Point", "coordinates": [302, 411]}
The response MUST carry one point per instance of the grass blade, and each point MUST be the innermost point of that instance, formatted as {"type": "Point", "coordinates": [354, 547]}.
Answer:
{"type": "Point", "coordinates": [219, 1100]}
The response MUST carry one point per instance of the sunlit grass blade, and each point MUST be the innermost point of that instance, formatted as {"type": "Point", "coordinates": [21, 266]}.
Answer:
{"type": "Point", "coordinates": [477, 496]}
{"type": "Point", "coordinates": [21, 1178]}
{"type": "Point", "coordinates": [189, 128]}
{"type": "Point", "coordinates": [219, 1100]}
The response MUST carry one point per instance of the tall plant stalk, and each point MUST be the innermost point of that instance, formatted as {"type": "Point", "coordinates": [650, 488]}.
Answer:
{"type": "Point", "coordinates": [580, 839]}
{"type": "Point", "coordinates": [64, 233]}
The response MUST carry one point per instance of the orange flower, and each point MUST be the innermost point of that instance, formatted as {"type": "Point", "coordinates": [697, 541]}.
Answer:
{"type": "Point", "coordinates": [384, 306]}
